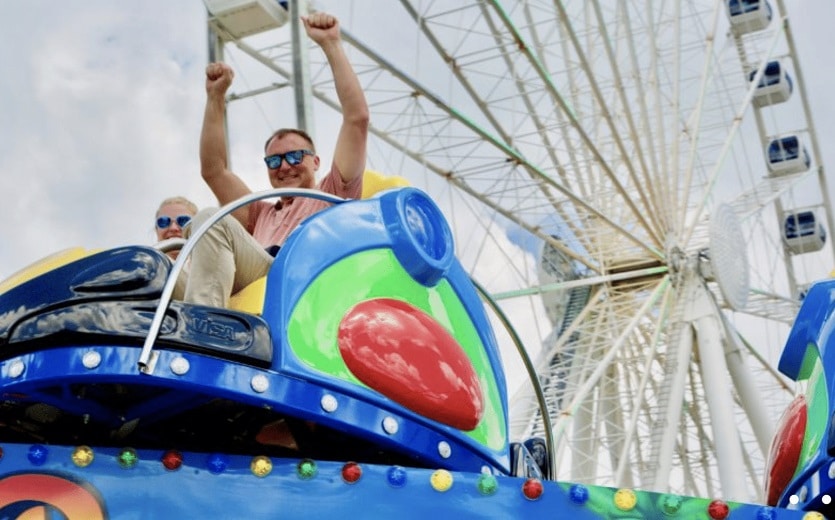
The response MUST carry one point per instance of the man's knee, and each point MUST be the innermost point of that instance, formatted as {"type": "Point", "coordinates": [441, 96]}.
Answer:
{"type": "Point", "coordinates": [198, 220]}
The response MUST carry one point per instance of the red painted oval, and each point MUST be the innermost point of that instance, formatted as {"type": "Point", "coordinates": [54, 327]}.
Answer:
{"type": "Point", "coordinates": [403, 353]}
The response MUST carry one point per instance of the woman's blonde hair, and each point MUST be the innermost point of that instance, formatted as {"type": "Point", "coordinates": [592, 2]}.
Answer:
{"type": "Point", "coordinates": [192, 207]}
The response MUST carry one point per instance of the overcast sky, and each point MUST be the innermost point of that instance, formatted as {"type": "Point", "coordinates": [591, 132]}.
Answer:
{"type": "Point", "coordinates": [101, 103]}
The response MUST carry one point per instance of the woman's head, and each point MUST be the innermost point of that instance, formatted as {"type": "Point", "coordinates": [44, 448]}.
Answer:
{"type": "Point", "coordinates": [173, 213]}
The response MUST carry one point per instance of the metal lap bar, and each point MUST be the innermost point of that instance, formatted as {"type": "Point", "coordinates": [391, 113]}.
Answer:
{"type": "Point", "coordinates": [146, 357]}
{"type": "Point", "coordinates": [532, 376]}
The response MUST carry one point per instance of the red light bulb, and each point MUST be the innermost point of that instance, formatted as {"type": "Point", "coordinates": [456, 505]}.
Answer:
{"type": "Point", "coordinates": [532, 489]}
{"type": "Point", "coordinates": [351, 472]}
{"type": "Point", "coordinates": [718, 510]}
{"type": "Point", "coordinates": [172, 460]}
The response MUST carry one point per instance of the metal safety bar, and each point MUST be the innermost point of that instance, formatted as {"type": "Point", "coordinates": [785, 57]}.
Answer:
{"type": "Point", "coordinates": [532, 375]}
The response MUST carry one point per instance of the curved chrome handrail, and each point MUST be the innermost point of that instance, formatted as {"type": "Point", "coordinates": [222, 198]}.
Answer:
{"type": "Point", "coordinates": [540, 395]}
{"type": "Point", "coordinates": [144, 364]}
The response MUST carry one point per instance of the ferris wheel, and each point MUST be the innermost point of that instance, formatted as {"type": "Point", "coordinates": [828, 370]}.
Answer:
{"type": "Point", "coordinates": [637, 184]}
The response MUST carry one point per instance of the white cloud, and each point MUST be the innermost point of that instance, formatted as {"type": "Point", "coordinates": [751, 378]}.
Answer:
{"type": "Point", "coordinates": [100, 122]}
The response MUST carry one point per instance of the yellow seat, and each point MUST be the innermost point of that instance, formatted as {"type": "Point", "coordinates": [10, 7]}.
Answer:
{"type": "Point", "coordinates": [53, 261]}
{"type": "Point", "coordinates": [251, 298]}
{"type": "Point", "coordinates": [374, 182]}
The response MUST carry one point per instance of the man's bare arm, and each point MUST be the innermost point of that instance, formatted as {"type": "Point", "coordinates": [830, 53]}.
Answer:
{"type": "Point", "coordinates": [214, 163]}
{"type": "Point", "coordinates": [350, 153]}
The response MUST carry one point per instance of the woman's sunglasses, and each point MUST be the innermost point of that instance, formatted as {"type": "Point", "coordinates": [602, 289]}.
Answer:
{"type": "Point", "coordinates": [293, 157]}
{"type": "Point", "coordinates": [165, 221]}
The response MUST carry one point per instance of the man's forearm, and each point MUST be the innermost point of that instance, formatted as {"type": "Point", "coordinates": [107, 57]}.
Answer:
{"type": "Point", "coordinates": [348, 88]}
{"type": "Point", "coordinates": [213, 160]}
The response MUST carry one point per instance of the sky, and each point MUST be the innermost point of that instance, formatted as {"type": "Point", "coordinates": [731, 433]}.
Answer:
{"type": "Point", "coordinates": [101, 103]}
{"type": "Point", "coordinates": [100, 108]}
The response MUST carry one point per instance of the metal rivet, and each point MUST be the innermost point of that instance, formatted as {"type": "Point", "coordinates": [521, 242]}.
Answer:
{"type": "Point", "coordinates": [259, 383]}
{"type": "Point", "coordinates": [444, 449]}
{"type": "Point", "coordinates": [91, 359]}
{"type": "Point", "coordinates": [179, 365]}
{"type": "Point", "coordinates": [16, 368]}
{"type": "Point", "coordinates": [329, 403]}
{"type": "Point", "coordinates": [390, 425]}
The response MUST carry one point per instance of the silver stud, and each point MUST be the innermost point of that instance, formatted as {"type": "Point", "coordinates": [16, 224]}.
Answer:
{"type": "Point", "coordinates": [16, 368]}
{"type": "Point", "coordinates": [390, 425]}
{"type": "Point", "coordinates": [180, 365]}
{"type": "Point", "coordinates": [259, 383]}
{"type": "Point", "coordinates": [91, 359]}
{"type": "Point", "coordinates": [444, 449]}
{"type": "Point", "coordinates": [329, 403]}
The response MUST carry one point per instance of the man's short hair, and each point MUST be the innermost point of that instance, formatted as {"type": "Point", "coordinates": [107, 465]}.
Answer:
{"type": "Point", "coordinates": [281, 132]}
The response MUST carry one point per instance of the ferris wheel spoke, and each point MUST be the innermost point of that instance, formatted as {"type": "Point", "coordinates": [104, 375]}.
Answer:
{"type": "Point", "coordinates": [642, 413]}
{"type": "Point", "coordinates": [598, 365]}
{"type": "Point", "coordinates": [540, 190]}
{"type": "Point", "coordinates": [664, 434]}
{"type": "Point", "coordinates": [540, 177]}
{"type": "Point", "coordinates": [607, 117]}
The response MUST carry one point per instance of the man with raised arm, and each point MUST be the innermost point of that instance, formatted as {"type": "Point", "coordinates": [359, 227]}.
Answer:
{"type": "Point", "coordinates": [239, 250]}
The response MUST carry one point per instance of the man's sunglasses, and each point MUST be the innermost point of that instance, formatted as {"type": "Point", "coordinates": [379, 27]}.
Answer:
{"type": "Point", "coordinates": [165, 221]}
{"type": "Point", "coordinates": [293, 157]}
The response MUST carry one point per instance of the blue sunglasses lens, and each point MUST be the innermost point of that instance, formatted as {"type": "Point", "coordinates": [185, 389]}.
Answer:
{"type": "Point", "coordinates": [273, 161]}
{"type": "Point", "coordinates": [293, 158]}
{"type": "Point", "coordinates": [165, 221]}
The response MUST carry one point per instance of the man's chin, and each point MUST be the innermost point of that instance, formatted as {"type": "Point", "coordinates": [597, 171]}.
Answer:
{"type": "Point", "coordinates": [287, 184]}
